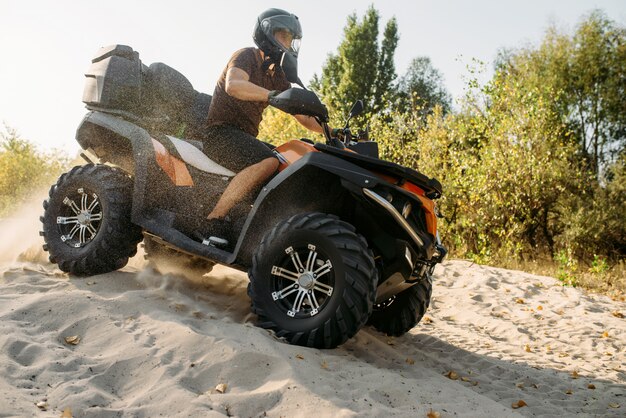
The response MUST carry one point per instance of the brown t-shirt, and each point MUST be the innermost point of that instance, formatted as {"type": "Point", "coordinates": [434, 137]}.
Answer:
{"type": "Point", "coordinates": [245, 115]}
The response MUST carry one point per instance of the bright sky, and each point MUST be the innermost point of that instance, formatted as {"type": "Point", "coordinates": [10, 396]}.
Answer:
{"type": "Point", "coordinates": [47, 46]}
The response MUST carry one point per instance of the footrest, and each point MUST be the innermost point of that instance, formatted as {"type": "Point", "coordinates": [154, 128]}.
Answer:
{"type": "Point", "coordinates": [215, 242]}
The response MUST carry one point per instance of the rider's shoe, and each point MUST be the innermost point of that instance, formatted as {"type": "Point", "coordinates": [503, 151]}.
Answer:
{"type": "Point", "coordinates": [215, 232]}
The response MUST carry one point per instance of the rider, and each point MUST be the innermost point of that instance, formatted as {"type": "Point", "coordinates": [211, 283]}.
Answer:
{"type": "Point", "coordinates": [250, 78]}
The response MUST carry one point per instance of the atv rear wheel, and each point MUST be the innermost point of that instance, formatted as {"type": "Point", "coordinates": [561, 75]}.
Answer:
{"type": "Point", "coordinates": [401, 312]}
{"type": "Point", "coordinates": [167, 259]}
{"type": "Point", "coordinates": [313, 281]}
{"type": "Point", "coordinates": [86, 222]}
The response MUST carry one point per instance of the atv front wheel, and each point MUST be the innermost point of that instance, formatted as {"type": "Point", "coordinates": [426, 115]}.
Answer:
{"type": "Point", "coordinates": [86, 222]}
{"type": "Point", "coordinates": [313, 281]}
{"type": "Point", "coordinates": [401, 312]}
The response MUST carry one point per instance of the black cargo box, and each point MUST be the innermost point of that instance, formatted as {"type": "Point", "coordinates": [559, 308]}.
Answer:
{"type": "Point", "coordinates": [114, 79]}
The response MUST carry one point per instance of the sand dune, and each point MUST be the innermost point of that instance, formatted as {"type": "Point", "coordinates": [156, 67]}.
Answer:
{"type": "Point", "coordinates": [154, 344]}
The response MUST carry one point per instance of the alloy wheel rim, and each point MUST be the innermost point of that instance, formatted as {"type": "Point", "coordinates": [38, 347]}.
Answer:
{"type": "Point", "coordinates": [305, 292]}
{"type": "Point", "coordinates": [79, 222]}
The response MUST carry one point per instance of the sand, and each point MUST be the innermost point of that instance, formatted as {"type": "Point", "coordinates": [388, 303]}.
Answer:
{"type": "Point", "coordinates": [159, 344]}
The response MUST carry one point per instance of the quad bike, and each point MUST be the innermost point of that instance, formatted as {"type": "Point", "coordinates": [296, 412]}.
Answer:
{"type": "Point", "coordinates": [335, 239]}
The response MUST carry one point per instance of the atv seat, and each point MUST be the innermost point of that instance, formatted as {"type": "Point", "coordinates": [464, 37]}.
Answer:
{"type": "Point", "coordinates": [169, 93]}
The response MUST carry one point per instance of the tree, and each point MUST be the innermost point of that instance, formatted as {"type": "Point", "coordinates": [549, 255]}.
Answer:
{"type": "Point", "coordinates": [597, 84]}
{"type": "Point", "coordinates": [361, 69]}
{"type": "Point", "coordinates": [586, 73]}
{"type": "Point", "coordinates": [422, 88]}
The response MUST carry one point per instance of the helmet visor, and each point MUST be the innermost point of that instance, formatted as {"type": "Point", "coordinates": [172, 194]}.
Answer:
{"type": "Point", "coordinates": [288, 40]}
{"type": "Point", "coordinates": [295, 45]}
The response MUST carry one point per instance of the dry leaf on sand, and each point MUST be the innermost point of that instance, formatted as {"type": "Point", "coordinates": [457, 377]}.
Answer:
{"type": "Point", "coordinates": [410, 361]}
{"type": "Point", "coordinates": [518, 404]}
{"type": "Point", "coordinates": [527, 348]}
{"type": "Point", "coordinates": [221, 388]}
{"type": "Point", "coordinates": [452, 375]}
{"type": "Point", "coordinates": [520, 301]}
{"type": "Point", "coordinates": [67, 413]}
{"type": "Point", "coordinates": [605, 334]}
{"type": "Point", "coordinates": [591, 386]}
{"type": "Point", "coordinates": [324, 365]}
{"type": "Point", "coordinates": [299, 356]}
{"type": "Point", "coordinates": [73, 340]}
{"type": "Point", "coordinates": [568, 392]}
{"type": "Point", "coordinates": [433, 414]}
{"type": "Point", "coordinates": [574, 374]}
{"type": "Point", "coordinates": [614, 405]}
{"type": "Point", "coordinates": [617, 314]}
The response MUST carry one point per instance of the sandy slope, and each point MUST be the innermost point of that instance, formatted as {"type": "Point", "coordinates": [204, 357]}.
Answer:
{"type": "Point", "coordinates": [156, 344]}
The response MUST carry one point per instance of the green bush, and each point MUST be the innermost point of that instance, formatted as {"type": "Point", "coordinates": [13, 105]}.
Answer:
{"type": "Point", "coordinates": [279, 127]}
{"type": "Point", "coordinates": [24, 170]}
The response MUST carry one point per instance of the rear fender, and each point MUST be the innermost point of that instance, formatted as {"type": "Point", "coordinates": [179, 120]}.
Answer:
{"type": "Point", "coordinates": [122, 143]}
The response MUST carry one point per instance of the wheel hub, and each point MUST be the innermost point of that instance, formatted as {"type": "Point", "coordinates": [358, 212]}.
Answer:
{"type": "Point", "coordinates": [84, 218]}
{"type": "Point", "coordinates": [83, 215]}
{"type": "Point", "coordinates": [306, 280]}
{"type": "Point", "coordinates": [311, 283]}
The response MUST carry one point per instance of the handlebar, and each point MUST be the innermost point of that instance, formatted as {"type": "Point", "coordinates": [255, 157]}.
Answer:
{"type": "Point", "coordinates": [341, 138]}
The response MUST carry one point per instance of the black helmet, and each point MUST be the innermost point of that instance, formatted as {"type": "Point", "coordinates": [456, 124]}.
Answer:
{"type": "Point", "coordinates": [274, 20]}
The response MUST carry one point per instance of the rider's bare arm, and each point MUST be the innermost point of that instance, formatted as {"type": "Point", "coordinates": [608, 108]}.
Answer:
{"type": "Point", "coordinates": [309, 122]}
{"type": "Point", "coordinates": [239, 86]}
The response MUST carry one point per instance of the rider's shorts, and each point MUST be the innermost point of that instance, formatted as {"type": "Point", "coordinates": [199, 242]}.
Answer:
{"type": "Point", "coordinates": [233, 148]}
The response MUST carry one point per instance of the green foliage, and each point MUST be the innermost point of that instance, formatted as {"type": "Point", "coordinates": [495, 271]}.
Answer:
{"type": "Point", "coordinates": [422, 88]}
{"type": "Point", "coordinates": [279, 127]}
{"type": "Point", "coordinates": [361, 68]}
{"type": "Point", "coordinates": [599, 265]}
{"type": "Point", "coordinates": [586, 74]}
{"type": "Point", "coordinates": [596, 220]}
{"type": "Point", "coordinates": [568, 267]}
{"type": "Point", "coordinates": [24, 170]}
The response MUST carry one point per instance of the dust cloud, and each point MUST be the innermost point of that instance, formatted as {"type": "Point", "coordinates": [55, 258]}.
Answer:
{"type": "Point", "coordinates": [19, 233]}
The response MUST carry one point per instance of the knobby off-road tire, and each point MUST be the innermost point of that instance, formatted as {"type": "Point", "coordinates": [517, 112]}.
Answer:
{"type": "Point", "coordinates": [165, 258]}
{"type": "Point", "coordinates": [403, 311]}
{"type": "Point", "coordinates": [86, 222]}
{"type": "Point", "coordinates": [313, 281]}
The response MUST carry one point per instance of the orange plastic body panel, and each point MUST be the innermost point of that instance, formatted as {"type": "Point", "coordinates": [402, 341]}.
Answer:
{"type": "Point", "coordinates": [173, 167]}
{"type": "Point", "coordinates": [429, 211]}
{"type": "Point", "coordinates": [413, 189]}
{"type": "Point", "coordinates": [292, 151]}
